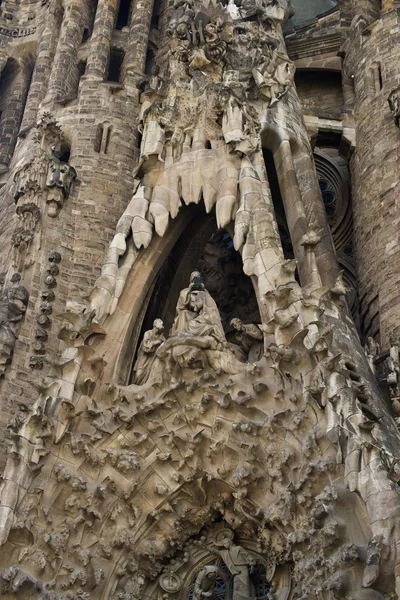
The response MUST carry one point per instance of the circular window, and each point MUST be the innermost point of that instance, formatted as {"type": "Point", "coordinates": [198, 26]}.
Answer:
{"type": "Point", "coordinates": [328, 197]}
{"type": "Point", "coordinates": [323, 185]}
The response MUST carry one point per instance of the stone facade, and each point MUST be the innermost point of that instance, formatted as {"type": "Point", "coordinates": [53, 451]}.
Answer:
{"type": "Point", "coordinates": [199, 351]}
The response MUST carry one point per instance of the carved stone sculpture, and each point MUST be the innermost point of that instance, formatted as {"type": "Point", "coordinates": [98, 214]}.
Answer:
{"type": "Point", "coordinates": [239, 562]}
{"type": "Point", "coordinates": [60, 176]}
{"type": "Point", "coordinates": [206, 469]}
{"type": "Point", "coordinates": [26, 238]}
{"type": "Point", "coordinates": [394, 104]}
{"type": "Point", "coordinates": [196, 312]}
{"type": "Point", "coordinates": [12, 310]}
{"type": "Point", "coordinates": [205, 583]}
{"type": "Point", "coordinates": [250, 339]}
{"type": "Point", "coordinates": [147, 364]}
{"type": "Point", "coordinates": [197, 336]}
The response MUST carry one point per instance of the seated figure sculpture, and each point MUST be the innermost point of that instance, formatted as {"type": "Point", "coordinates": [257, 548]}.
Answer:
{"type": "Point", "coordinates": [249, 338]}
{"type": "Point", "coordinates": [197, 338]}
{"type": "Point", "coordinates": [197, 314]}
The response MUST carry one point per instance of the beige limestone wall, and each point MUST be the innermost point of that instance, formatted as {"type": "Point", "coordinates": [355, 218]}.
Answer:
{"type": "Point", "coordinates": [372, 60]}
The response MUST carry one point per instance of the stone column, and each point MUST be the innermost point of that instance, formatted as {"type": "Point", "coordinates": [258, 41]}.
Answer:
{"type": "Point", "coordinates": [100, 43]}
{"type": "Point", "coordinates": [14, 87]}
{"type": "Point", "coordinates": [44, 62]}
{"type": "Point", "coordinates": [135, 59]}
{"type": "Point", "coordinates": [62, 78]}
{"type": "Point", "coordinates": [293, 204]}
{"type": "Point", "coordinates": [316, 216]}
{"type": "Point", "coordinates": [375, 168]}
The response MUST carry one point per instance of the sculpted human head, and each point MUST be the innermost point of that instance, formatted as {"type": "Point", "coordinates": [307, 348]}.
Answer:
{"type": "Point", "coordinates": [236, 324]}
{"type": "Point", "coordinates": [227, 542]}
{"type": "Point", "coordinates": [158, 324]}
{"type": "Point", "coordinates": [195, 275]}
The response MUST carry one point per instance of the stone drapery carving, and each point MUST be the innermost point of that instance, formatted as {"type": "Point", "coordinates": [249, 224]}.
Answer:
{"type": "Point", "coordinates": [196, 338]}
{"type": "Point", "coordinates": [205, 583]}
{"type": "Point", "coordinates": [238, 561]}
{"type": "Point", "coordinates": [196, 312]}
{"type": "Point", "coordinates": [146, 363]}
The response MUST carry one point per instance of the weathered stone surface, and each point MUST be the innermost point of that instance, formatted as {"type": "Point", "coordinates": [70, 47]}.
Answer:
{"type": "Point", "coordinates": [186, 408]}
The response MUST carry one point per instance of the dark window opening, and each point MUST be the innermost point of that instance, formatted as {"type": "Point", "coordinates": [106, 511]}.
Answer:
{"type": "Point", "coordinates": [150, 59]}
{"type": "Point", "coordinates": [139, 140]}
{"type": "Point", "coordinates": [65, 156]}
{"type": "Point", "coordinates": [123, 14]}
{"type": "Point", "coordinates": [103, 137]}
{"type": "Point", "coordinates": [81, 68]}
{"type": "Point", "coordinates": [85, 36]}
{"type": "Point", "coordinates": [376, 78]}
{"type": "Point", "coordinates": [114, 69]}
{"type": "Point", "coordinates": [63, 152]}
{"type": "Point", "coordinates": [380, 80]}
{"type": "Point", "coordinates": [107, 138]}
{"type": "Point", "coordinates": [208, 145]}
{"type": "Point", "coordinates": [92, 17]}
{"type": "Point", "coordinates": [278, 205]}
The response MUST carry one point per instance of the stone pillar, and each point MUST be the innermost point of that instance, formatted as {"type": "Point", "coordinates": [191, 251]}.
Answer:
{"type": "Point", "coordinates": [293, 204]}
{"type": "Point", "coordinates": [100, 43]}
{"type": "Point", "coordinates": [135, 59]}
{"type": "Point", "coordinates": [375, 175]}
{"type": "Point", "coordinates": [44, 62]}
{"type": "Point", "coordinates": [315, 214]}
{"type": "Point", "coordinates": [368, 10]}
{"type": "Point", "coordinates": [62, 78]}
{"type": "Point", "coordinates": [14, 85]}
